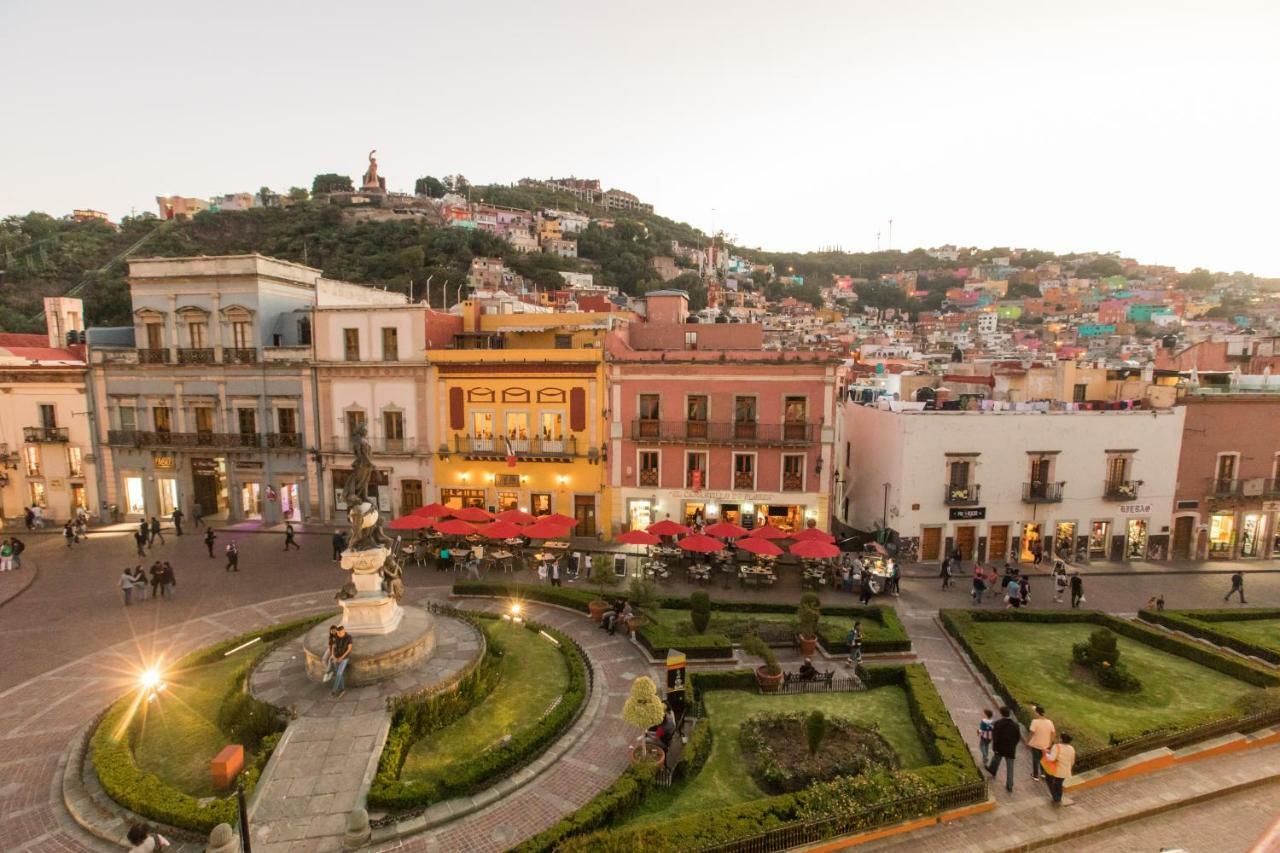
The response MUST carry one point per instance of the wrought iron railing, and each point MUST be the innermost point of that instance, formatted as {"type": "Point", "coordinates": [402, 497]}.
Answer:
{"type": "Point", "coordinates": [195, 356]}
{"type": "Point", "coordinates": [961, 495]}
{"type": "Point", "coordinates": [1121, 490]}
{"type": "Point", "coordinates": [45, 435]}
{"type": "Point", "coordinates": [290, 440]}
{"type": "Point", "coordinates": [521, 447]}
{"type": "Point", "coordinates": [147, 355]}
{"type": "Point", "coordinates": [1042, 493]}
{"type": "Point", "coordinates": [725, 432]}
{"type": "Point", "coordinates": [239, 355]}
{"type": "Point", "coordinates": [648, 476]}
{"type": "Point", "coordinates": [793, 482]}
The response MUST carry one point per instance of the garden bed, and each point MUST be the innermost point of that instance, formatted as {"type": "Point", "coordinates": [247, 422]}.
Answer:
{"type": "Point", "coordinates": [1250, 632]}
{"type": "Point", "coordinates": [153, 757]}
{"type": "Point", "coordinates": [1027, 657]}
{"type": "Point", "coordinates": [524, 694]}
{"type": "Point", "coordinates": [722, 803]}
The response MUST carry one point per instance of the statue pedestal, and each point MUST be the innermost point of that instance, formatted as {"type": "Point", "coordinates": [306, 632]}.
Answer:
{"type": "Point", "coordinates": [372, 611]}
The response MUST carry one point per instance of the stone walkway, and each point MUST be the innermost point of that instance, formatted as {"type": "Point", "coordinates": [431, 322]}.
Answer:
{"type": "Point", "coordinates": [328, 756]}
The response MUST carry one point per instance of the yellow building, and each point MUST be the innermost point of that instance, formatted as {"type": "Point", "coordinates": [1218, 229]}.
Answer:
{"type": "Point", "coordinates": [521, 421]}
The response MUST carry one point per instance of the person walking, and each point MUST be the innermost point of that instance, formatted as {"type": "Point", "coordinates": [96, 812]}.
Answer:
{"type": "Point", "coordinates": [289, 540]}
{"type": "Point", "coordinates": [338, 542]}
{"type": "Point", "coordinates": [895, 578]}
{"type": "Point", "coordinates": [233, 557]}
{"type": "Point", "coordinates": [126, 586]}
{"type": "Point", "coordinates": [342, 646]}
{"type": "Point", "coordinates": [985, 726]}
{"type": "Point", "coordinates": [140, 538]}
{"type": "Point", "coordinates": [6, 556]}
{"type": "Point", "coordinates": [554, 571]}
{"type": "Point", "coordinates": [1237, 585]}
{"type": "Point", "coordinates": [1058, 761]}
{"type": "Point", "coordinates": [854, 639]}
{"type": "Point", "coordinates": [168, 581]}
{"type": "Point", "coordinates": [29, 516]}
{"type": "Point", "coordinates": [209, 536]}
{"type": "Point", "coordinates": [1012, 592]}
{"type": "Point", "coordinates": [139, 583]}
{"type": "Point", "coordinates": [157, 579]}
{"type": "Point", "coordinates": [19, 546]}
{"type": "Point", "coordinates": [156, 533]}
{"type": "Point", "coordinates": [176, 517]}
{"type": "Point", "coordinates": [1037, 552]}
{"type": "Point", "coordinates": [864, 593]}
{"type": "Point", "coordinates": [979, 585]}
{"type": "Point", "coordinates": [945, 571]}
{"type": "Point", "coordinates": [1040, 737]}
{"type": "Point", "coordinates": [1059, 581]}
{"type": "Point", "coordinates": [69, 533]}
{"type": "Point", "coordinates": [1024, 591]}
{"type": "Point", "coordinates": [81, 526]}
{"type": "Point", "coordinates": [1005, 737]}
{"type": "Point", "coordinates": [1077, 590]}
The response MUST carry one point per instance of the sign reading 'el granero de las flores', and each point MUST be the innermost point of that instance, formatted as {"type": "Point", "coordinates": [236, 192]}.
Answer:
{"type": "Point", "coordinates": [967, 513]}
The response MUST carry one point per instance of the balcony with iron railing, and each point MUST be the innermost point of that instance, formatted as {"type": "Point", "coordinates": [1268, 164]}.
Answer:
{"type": "Point", "coordinates": [158, 355]}
{"type": "Point", "coordinates": [239, 355]}
{"type": "Point", "coordinates": [196, 355]}
{"type": "Point", "coordinates": [1225, 487]}
{"type": "Point", "coordinates": [1271, 488]}
{"type": "Point", "coordinates": [1120, 490]}
{"type": "Point", "coordinates": [379, 444]}
{"type": "Point", "coordinates": [752, 433]}
{"type": "Point", "coordinates": [1042, 493]}
{"type": "Point", "coordinates": [164, 439]}
{"type": "Point", "coordinates": [792, 482]}
{"type": "Point", "coordinates": [284, 440]}
{"type": "Point", "coordinates": [961, 495]}
{"type": "Point", "coordinates": [528, 448]}
{"type": "Point", "coordinates": [649, 476]}
{"type": "Point", "coordinates": [46, 435]}
{"type": "Point", "coordinates": [744, 479]}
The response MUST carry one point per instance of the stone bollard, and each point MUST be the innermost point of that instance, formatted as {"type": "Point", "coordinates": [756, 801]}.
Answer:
{"type": "Point", "coordinates": [223, 840]}
{"type": "Point", "coordinates": [358, 831]}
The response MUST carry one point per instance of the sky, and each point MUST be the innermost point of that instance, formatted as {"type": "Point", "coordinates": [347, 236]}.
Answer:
{"type": "Point", "coordinates": [1149, 128]}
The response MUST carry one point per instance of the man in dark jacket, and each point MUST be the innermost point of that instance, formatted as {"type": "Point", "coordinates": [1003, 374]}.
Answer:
{"type": "Point", "coordinates": [1005, 737]}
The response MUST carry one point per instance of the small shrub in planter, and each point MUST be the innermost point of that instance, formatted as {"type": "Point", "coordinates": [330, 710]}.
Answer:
{"type": "Point", "coordinates": [645, 710]}
{"type": "Point", "coordinates": [807, 616]}
{"type": "Point", "coordinates": [700, 611]}
{"type": "Point", "coordinates": [769, 674]}
{"type": "Point", "coordinates": [602, 577]}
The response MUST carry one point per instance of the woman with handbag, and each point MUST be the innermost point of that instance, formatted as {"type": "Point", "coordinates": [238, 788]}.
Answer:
{"type": "Point", "coordinates": [1056, 764]}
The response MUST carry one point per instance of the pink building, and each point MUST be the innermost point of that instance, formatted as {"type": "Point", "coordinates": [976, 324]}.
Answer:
{"type": "Point", "coordinates": [707, 425]}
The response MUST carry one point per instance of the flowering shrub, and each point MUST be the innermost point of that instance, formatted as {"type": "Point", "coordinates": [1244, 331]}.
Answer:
{"type": "Point", "coordinates": [777, 755]}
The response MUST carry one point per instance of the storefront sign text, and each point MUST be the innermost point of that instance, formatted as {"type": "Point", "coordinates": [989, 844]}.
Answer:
{"type": "Point", "coordinates": [1135, 509]}
{"type": "Point", "coordinates": [970, 513]}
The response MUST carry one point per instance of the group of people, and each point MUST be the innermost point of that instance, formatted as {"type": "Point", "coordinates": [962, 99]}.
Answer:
{"type": "Point", "coordinates": [1052, 755]}
{"type": "Point", "coordinates": [11, 554]}
{"type": "Point", "coordinates": [1015, 588]}
{"type": "Point", "coordinates": [618, 615]}
{"type": "Point", "coordinates": [133, 582]}
{"type": "Point", "coordinates": [146, 535]}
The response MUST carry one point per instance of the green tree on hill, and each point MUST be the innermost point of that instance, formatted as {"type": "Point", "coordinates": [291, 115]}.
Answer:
{"type": "Point", "coordinates": [331, 183]}
{"type": "Point", "coordinates": [429, 186]}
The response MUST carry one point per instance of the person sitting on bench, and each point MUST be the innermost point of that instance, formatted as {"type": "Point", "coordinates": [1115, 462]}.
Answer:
{"type": "Point", "coordinates": [807, 670]}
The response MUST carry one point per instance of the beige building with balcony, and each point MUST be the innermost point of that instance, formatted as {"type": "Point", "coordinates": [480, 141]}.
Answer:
{"type": "Point", "coordinates": [209, 399]}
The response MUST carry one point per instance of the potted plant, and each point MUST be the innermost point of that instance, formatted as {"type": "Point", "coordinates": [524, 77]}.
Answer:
{"type": "Point", "coordinates": [769, 674]}
{"type": "Point", "coordinates": [602, 576]}
{"type": "Point", "coordinates": [643, 596]}
{"type": "Point", "coordinates": [807, 615]}
{"type": "Point", "coordinates": [644, 709]}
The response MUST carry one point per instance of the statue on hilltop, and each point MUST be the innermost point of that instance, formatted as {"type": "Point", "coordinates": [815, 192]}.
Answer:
{"type": "Point", "coordinates": [371, 180]}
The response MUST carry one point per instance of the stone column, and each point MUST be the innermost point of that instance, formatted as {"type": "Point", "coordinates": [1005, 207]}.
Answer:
{"type": "Point", "coordinates": [215, 323]}
{"type": "Point", "coordinates": [171, 325]}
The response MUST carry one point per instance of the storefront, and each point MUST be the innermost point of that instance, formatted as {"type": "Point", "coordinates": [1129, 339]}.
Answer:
{"type": "Point", "coordinates": [1064, 544]}
{"type": "Point", "coordinates": [1135, 544]}
{"type": "Point", "coordinates": [459, 498]}
{"type": "Point", "coordinates": [790, 512]}
{"type": "Point", "coordinates": [1099, 539]}
{"type": "Point", "coordinates": [1253, 528]}
{"type": "Point", "coordinates": [1222, 534]}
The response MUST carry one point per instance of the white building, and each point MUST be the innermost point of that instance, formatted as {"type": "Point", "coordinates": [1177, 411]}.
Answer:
{"type": "Point", "coordinates": [988, 322]}
{"type": "Point", "coordinates": [990, 483]}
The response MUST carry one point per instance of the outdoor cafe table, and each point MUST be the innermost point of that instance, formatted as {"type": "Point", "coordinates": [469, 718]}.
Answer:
{"type": "Point", "coordinates": [756, 575]}
{"type": "Point", "coordinates": [556, 546]}
{"type": "Point", "coordinates": [503, 557]}
{"type": "Point", "coordinates": [699, 572]}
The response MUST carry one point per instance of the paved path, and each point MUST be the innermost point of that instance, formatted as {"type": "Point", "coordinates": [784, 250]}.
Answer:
{"type": "Point", "coordinates": [328, 756]}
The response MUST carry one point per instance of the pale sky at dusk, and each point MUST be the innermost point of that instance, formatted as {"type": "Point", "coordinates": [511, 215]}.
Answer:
{"type": "Point", "coordinates": [1152, 128]}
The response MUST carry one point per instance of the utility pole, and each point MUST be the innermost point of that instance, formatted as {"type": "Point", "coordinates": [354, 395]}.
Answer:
{"type": "Point", "coordinates": [890, 235]}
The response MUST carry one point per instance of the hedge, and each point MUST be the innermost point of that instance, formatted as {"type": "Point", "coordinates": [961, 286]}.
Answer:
{"type": "Point", "coordinates": [956, 623]}
{"type": "Point", "coordinates": [241, 717]}
{"type": "Point", "coordinates": [413, 720]}
{"type": "Point", "coordinates": [900, 795]}
{"type": "Point", "coordinates": [574, 599]}
{"type": "Point", "coordinates": [609, 806]}
{"type": "Point", "coordinates": [1199, 623]}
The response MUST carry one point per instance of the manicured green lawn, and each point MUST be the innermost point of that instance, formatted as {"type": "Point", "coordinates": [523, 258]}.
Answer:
{"type": "Point", "coordinates": [179, 736]}
{"type": "Point", "coordinates": [1261, 632]}
{"type": "Point", "coordinates": [1034, 662]}
{"type": "Point", "coordinates": [723, 780]}
{"type": "Point", "coordinates": [533, 673]}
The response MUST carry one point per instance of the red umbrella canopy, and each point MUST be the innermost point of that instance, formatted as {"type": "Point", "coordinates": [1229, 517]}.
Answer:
{"type": "Point", "coordinates": [473, 513]}
{"type": "Point", "coordinates": [667, 527]}
{"type": "Point", "coordinates": [557, 518]}
{"type": "Point", "coordinates": [768, 532]}
{"type": "Point", "coordinates": [725, 530]}
{"type": "Point", "coordinates": [759, 545]}
{"type": "Point", "coordinates": [501, 530]}
{"type": "Point", "coordinates": [813, 534]}
{"type": "Point", "coordinates": [546, 529]}
{"type": "Point", "coordinates": [811, 550]}
{"type": "Point", "coordinates": [456, 527]}
{"type": "Point", "coordinates": [433, 511]}
{"type": "Point", "coordinates": [515, 516]}
{"type": "Point", "coordinates": [410, 522]}
{"type": "Point", "coordinates": [638, 537]}
{"type": "Point", "coordinates": [700, 544]}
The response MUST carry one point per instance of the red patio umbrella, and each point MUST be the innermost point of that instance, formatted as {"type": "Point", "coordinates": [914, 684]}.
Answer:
{"type": "Point", "coordinates": [546, 529]}
{"type": "Point", "coordinates": [767, 532]}
{"type": "Point", "coordinates": [515, 516]}
{"type": "Point", "coordinates": [666, 527]}
{"type": "Point", "coordinates": [473, 513]}
{"type": "Point", "coordinates": [725, 530]}
{"type": "Point", "coordinates": [433, 511]}
{"type": "Point", "coordinates": [410, 522]}
{"type": "Point", "coordinates": [813, 534]}
{"type": "Point", "coordinates": [811, 550]}
{"type": "Point", "coordinates": [700, 544]}
{"type": "Point", "coordinates": [759, 545]}
{"type": "Point", "coordinates": [558, 519]}
{"type": "Point", "coordinates": [456, 527]}
{"type": "Point", "coordinates": [638, 537]}
{"type": "Point", "coordinates": [500, 530]}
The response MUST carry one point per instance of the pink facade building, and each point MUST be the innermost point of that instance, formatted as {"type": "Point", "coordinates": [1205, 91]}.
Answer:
{"type": "Point", "coordinates": [706, 425]}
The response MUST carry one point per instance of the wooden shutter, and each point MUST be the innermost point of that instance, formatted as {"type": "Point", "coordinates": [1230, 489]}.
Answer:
{"type": "Point", "coordinates": [577, 409]}
{"type": "Point", "coordinates": [457, 417]}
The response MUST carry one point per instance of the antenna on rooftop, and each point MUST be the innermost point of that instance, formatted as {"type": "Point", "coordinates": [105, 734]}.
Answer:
{"type": "Point", "coordinates": [890, 235]}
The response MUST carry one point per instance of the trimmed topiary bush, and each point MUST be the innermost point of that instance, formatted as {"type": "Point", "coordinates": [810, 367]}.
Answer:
{"type": "Point", "coordinates": [1100, 656]}
{"type": "Point", "coordinates": [700, 611]}
{"type": "Point", "coordinates": [815, 729]}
